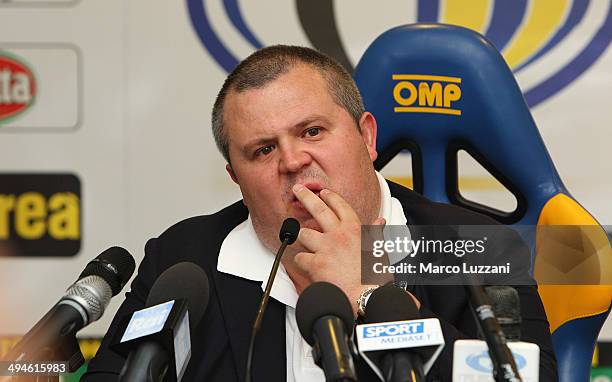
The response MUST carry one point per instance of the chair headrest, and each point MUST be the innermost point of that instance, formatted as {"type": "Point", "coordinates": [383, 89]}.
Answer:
{"type": "Point", "coordinates": [442, 87]}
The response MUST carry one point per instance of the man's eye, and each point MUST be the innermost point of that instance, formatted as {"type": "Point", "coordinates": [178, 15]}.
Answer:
{"type": "Point", "coordinates": [265, 150]}
{"type": "Point", "coordinates": [313, 131]}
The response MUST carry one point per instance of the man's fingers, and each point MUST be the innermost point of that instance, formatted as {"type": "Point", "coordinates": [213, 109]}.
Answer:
{"type": "Point", "coordinates": [310, 239]}
{"type": "Point", "coordinates": [374, 231]}
{"type": "Point", "coordinates": [379, 221]}
{"type": "Point", "coordinates": [324, 215]}
{"type": "Point", "coordinates": [341, 208]}
{"type": "Point", "coordinates": [304, 261]}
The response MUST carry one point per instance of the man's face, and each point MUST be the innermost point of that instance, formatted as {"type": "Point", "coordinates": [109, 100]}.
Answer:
{"type": "Point", "coordinates": [291, 131]}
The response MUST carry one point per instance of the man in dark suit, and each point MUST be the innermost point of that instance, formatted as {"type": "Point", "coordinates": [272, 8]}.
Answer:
{"type": "Point", "coordinates": [291, 124]}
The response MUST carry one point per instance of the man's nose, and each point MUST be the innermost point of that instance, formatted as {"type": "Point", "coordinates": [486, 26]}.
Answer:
{"type": "Point", "coordinates": [293, 159]}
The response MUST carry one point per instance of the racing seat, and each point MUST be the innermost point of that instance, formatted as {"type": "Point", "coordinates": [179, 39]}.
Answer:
{"type": "Point", "coordinates": [437, 89]}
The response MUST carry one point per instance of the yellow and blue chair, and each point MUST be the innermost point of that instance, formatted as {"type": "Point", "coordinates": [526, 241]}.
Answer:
{"type": "Point", "coordinates": [436, 89]}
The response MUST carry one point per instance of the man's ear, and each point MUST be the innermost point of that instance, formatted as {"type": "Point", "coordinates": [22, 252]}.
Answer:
{"type": "Point", "coordinates": [368, 128]}
{"type": "Point", "coordinates": [231, 173]}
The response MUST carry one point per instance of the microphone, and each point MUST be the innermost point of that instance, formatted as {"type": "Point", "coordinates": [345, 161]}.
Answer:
{"type": "Point", "coordinates": [507, 308]}
{"type": "Point", "coordinates": [325, 317]}
{"type": "Point", "coordinates": [504, 365]}
{"type": "Point", "coordinates": [471, 358]}
{"type": "Point", "coordinates": [83, 303]}
{"type": "Point", "coordinates": [157, 339]}
{"type": "Point", "coordinates": [288, 235]}
{"type": "Point", "coordinates": [289, 231]}
{"type": "Point", "coordinates": [398, 345]}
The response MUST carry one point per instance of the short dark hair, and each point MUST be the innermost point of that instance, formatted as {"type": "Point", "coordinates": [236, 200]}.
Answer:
{"type": "Point", "coordinates": [267, 64]}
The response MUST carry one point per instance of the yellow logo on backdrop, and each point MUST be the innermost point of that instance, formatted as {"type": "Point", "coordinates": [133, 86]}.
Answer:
{"type": "Point", "coordinates": [35, 215]}
{"type": "Point", "coordinates": [418, 93]}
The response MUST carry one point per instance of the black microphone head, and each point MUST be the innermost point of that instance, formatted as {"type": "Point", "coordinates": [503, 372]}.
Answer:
{"type": "Point", "coordinates": [507, 308]}
{"type": "Point", "coordinates": [186, 281]}
{"type": "Point", "coordinates": [115, 266]}
{"type": "Point", "coordinates": [289, 230]}
{"type": "Point", "coordinates": [390, 303]}
{"type": "Point", "coordinates": [318, 300]}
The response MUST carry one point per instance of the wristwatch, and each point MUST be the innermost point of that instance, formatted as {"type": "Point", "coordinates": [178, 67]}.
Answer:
{"type": "Point", "coordinates": [363, 299]}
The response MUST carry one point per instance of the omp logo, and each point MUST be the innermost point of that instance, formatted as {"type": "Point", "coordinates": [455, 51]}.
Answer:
{"type": "Point", "coordinates": [40, 215]}
{"type": "Point", "coordinates": [17, 86]}
{"type": "Point", "coordinates": [417, 93]}
{"type": "Point", "coordinates": [390, 330]}
{"type": "Point", "coordinates": [547, 44]}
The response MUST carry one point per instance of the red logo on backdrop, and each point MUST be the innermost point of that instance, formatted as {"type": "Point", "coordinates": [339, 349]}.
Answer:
{"type": "Point", "coordinates": [17, 87]}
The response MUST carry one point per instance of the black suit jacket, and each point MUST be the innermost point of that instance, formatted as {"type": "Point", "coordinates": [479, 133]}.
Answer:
{"type": "Point", "coordinates": [220, 341]}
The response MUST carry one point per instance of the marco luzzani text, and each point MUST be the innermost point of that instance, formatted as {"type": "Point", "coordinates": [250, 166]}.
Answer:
{"type": "Point", "coordinates": [468, 257]}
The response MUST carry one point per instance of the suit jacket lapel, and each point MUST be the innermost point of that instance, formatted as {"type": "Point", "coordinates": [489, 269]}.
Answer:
{"type": "Point", "coordinates": [239, 299]}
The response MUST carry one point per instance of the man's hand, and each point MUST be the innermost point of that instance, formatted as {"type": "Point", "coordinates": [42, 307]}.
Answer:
{"type": "Point", "coordinates": [335, 253]}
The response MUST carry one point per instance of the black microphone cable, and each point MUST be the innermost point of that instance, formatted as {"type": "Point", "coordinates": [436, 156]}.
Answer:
{"type": "Point", "coordinates": [504, 365]}
{"type": "Point", "coordinates": [288, 235]}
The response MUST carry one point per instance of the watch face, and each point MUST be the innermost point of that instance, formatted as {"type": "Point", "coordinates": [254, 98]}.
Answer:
{"type": "Point", "coordinates": [363, 300]}
{"type": "Point", "coordinates": [402, 284]}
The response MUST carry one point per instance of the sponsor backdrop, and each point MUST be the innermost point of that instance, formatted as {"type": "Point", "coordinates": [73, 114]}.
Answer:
{"type": "Point", "coordinates": [105, 114]}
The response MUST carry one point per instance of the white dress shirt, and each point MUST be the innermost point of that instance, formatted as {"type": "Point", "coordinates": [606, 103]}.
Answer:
{"type": "Point", "coordinates": [243, 255]}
